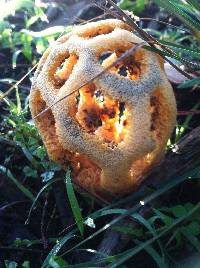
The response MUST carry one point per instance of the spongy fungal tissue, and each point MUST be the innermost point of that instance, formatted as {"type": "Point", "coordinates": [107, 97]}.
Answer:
{"type": "Point", "coordinates": [113, 130]}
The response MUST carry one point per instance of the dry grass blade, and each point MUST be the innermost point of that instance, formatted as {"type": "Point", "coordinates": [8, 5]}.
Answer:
{"type": "Point", "coordinates": [165, 23]}
{"type": "Point", "coordinates": [82, 21]}
{"type": "Point", "coordinates": [117, 12]}
{"type": "Point", "coordinates": [2, 96]}
{"type": "Point", "coordinates": [191, 112]}
{"type": "Point", "coordinates": [121, 58]}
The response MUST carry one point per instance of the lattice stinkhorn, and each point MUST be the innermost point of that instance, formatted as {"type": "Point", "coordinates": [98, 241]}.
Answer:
{"type": "Point", "coordinates": [113, 130]}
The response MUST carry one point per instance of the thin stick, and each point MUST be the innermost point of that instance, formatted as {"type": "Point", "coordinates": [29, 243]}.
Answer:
{"type": "Point", "coordinates": [8, 83]}
{"type": "Point", "coordinates": [42, 226]}
{"type": "Point", "coordinates": [17, 83]}
{"type": "Point", "coordinates": [53, 214]}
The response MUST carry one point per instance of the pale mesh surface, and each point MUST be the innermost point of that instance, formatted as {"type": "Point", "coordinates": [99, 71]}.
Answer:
{"type": "Point", "coordinates": [98, 166]}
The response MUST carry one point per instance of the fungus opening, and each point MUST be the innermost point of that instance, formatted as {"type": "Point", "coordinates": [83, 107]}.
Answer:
{"type": "Point", "coordinates": [104, 56]}
{"type": "Point", "coordinates": [97, 31]}
{"type": "Point", "coordinates": [129, 68]}
{"type": "Point", "coordinates": [64, 70]}
{"type": "Point", "coordinates": [101, 115]}
{"type": "Point", "coordinates": [156, 108]}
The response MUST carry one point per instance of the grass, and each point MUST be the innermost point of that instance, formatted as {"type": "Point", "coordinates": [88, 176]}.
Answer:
{"type": "Point", "coordinates": [173, 224]}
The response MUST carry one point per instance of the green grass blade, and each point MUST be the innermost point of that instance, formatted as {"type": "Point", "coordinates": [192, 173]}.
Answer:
{"type": "Point", "coordinates": [57, 262]}
{"type": "Point", "coordinates": [57, 248]}
{"type": "Point", "coordinates": [44, 188]}
{"type": "Point", "coordinates": [179, 11]}
{"type": "Point", "coordinates": [15, 57]}
{"type": "Point", "coordinates": [6, 100]}
{"type": "Point", "coordinates": [195, 4]}
{"type": "Point", "coordinates": [136, 233]}
{"type": "Point", "coordinates": [144, 222]}
{"type": "Point", "coordinates": [147, 224]}
{"type": "Point", "coordinates": [20, 186]}
{"type": "Point", "coordinates": [192, 239]}
{"type": "Point", "coordinates": [131, 252]}
{"type": "Point", "coordinates": [186, 50]}
{"type": "Point", "coordinates": [190, 83]}
{"type": "Point", "coordinates": [105, 212]}
{"type": "Point", "coordinates": [164, 53]}
{"type": "Point", "coordinates": [74, 203]}
{"type": "Point", "coordinates": [157, 258]}
{"type": "Point", "coordinates": [167, 220]}
{"type": "Point", "coordinates": [19, 105]}
{"type": "Point", "coordinates": [168, 186]}
{"type": "Point", "coordinates": [90, 264]}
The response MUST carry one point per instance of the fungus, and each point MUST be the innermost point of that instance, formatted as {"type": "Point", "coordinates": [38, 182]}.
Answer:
{"type": "Point", "coordinates": [113, 130]}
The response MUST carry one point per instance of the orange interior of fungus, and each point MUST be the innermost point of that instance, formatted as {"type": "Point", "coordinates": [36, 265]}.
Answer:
{"type": "Point", "coordinates": [96, 113]}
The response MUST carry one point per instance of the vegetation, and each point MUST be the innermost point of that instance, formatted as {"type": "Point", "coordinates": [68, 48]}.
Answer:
{"type": "Point", "coordinates": [170, 229]}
